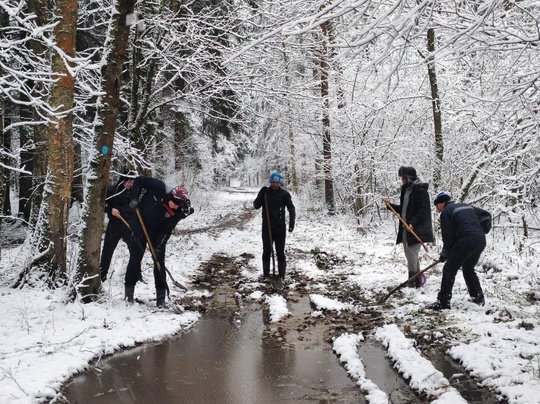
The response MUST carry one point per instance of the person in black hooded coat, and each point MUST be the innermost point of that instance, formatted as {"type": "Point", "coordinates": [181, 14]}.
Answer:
{"type": "Point", "coordinates": [160, 211]}
{"type": "Point", "coordinates": [415, 209]}
{"type": "Point", "coordinates": [117, 208]}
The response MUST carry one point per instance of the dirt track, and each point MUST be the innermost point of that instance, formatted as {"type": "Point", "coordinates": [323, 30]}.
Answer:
{"type": "Point", "coordinates": [226, 269]}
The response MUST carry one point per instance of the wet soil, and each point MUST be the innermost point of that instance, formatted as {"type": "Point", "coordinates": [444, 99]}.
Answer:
{"type": "Point", "coordinates": [234, 354]}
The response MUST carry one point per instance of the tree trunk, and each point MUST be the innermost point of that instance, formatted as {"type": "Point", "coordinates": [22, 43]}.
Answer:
{"type": "Point", "coordinates": [77, 188]}
{"type": "Point", "coordinates": [293, 180]}
{"type": "Point", "coordinates": [6, 162]}
{"type": "Point", "coordinates": [39, 156]}
{"type": "Point", "coordinates": [3, 23]}
{"type": "Point", "coordinates": [27, 163]}
{"type": "Point", "coordinates": [60, 141]}
{"type": "Point", "coordinates": [94, 207]}
{"type": "Point", "coordinates": [180, 139]}
{"type": "Point", "coordinates": [436, 105]}
{"type": "Point", "coordinates": [327, 141]}
{"type": "Point", "coordinates": [2, 177]}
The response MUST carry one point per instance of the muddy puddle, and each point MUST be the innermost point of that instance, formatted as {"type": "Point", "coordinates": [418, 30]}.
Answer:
{"type": "Point", "coordinates": [232, 355]}
{"type": "Point", "coordinates": [235, 355]}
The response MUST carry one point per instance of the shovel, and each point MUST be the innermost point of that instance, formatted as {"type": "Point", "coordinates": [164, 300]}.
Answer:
{"type": "Point", "coordinates": [406, 227]}
{"type": "Point", "coordinates": [412, 278]}
{"type": "Point", "coordinates": [152, 251]}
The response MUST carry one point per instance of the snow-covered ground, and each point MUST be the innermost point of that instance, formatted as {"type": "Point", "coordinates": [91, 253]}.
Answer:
{"type": "Point", "coordinates": [44, 342]}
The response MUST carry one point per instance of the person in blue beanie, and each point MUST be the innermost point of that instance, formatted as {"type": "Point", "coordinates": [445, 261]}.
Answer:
{"type": "Point", "coordinates": [463, 243]}
{"type": "Point", "coordinates": [274, 200]}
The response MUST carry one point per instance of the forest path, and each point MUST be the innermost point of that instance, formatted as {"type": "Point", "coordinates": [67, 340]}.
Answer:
{"type": "Point", "coordinates": [237, 319]}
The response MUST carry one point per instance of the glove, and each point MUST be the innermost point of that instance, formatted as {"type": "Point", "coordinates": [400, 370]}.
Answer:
{"type": "Point", "coordinates": [186, 208]}
{"type": "Point", "coordinates": [291, 228]}
{"type": "Point", "coordinates": [442, 259]}
{"type": "Point", "coordinates": [103, 276]}
{"type": "Point", "coordinates": [159, 254]}
{"type": "Point", "coordinates": [133, 204]}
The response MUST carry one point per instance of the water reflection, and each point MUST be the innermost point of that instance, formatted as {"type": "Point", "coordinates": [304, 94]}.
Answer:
{"type": "Point", "coordinates": [226, 358]}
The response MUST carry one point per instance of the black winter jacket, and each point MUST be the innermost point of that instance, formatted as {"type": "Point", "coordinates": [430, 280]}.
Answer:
{"type": "Point", "coordinates": [277, 202]}
{"type": "Point", "coordinates": [118, 197]}
{"type": "Point", "coordinates": [158, 218]}
{"type": "Point", "coordinates": [460, 227]}
{"type": "Point", "coordinates": [418, 213]}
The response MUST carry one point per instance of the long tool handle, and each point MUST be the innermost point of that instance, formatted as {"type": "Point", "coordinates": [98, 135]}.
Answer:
{"type": "Point", "coordinates": [405, 224]}
{"type": "Point", "coordinates": [412, 278]}
{"type": "Point", "coordinates": [153, 252]}
{"type": "Point", "coordinates": [124, 221]}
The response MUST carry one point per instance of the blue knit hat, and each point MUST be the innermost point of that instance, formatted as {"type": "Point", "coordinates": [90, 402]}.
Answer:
{"type": "Point", "coordinates": [276, 177]}
{"type": "Point", "coordinates": [441, 197]}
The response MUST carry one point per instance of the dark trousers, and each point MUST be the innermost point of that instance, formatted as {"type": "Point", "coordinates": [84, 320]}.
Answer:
{"type": "Point", "coordinates": [279, 235]}
{"type": "Point", "coordinates": [465, 258]}
{"type": "Point", "coordinates": [116, 231]}
{"type": "Point", "coordinates": [137, 247]}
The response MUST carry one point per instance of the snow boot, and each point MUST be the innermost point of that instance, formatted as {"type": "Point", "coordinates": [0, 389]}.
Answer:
{"type": "Point", "coordinates": [479, 299]}
{"type": "Point", "coordinates": [442, 303]}
{"type": "Point", "coordinates": [160, 298]}
{"type": "Point", "coordinates": [266, 269]}
{"type": "Point", "coordinates": [129, 291]}
{"type": "Point", "coordinates": [282, 265]}
{"type": "Point", "coordinates": [438, 306]}
{"type": "Point", "coordinates": [411, 284]}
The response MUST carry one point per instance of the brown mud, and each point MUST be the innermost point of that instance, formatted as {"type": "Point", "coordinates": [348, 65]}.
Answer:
{"type": "Point", "coordinates": [289, 348]}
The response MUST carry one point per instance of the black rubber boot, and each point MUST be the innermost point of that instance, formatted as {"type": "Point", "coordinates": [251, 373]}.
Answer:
{"type": "Point", "coordinates": [160, 298]}
{"type": "Point", "coordinates": [129, 291]}
{"type": "Point", "coordinates": [479, 299]}
{"type": "Point", "coordinates": [266, 269]}
{"type": "Point", "coordinates": [282, 266]}
{"type": "Point", "coordinates": [278, 284]}
{"type": "Point", "coordinates": [442, 303]}
{"type": "Point", "coordinates": [438, 306]}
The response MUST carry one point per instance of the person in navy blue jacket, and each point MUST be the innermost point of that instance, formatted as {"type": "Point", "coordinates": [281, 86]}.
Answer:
{"type": "Point", "coordinates": [160, 211]}
{"type": "Point", "coordinates": [276, 199]}
{"type": "Point", "coordinates": [117, 208]}
{"type": "Point", "coordinates": [463, 243]}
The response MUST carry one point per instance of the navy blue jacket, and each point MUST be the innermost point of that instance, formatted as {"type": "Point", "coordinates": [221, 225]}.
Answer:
{"type": "Point", "coordinates": [277, 202]}
{"type": "Point", "coordinates": [159, 219]}
{"type": "Point", "coordinates": [118, 197]}
{"type": "Point", "coordinates": [460, 227]}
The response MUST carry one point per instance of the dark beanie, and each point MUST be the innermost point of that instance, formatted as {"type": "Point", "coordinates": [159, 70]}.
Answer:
{"type": "Point", "coordinates": [441, 197]}
{"type": "Point", "coordinates": [407, 172]}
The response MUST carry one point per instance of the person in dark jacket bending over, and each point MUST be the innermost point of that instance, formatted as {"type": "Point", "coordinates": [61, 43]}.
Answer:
{"type": "Point", "coordinates": [117, 208]}
{"type": "Point", "coordinates": [274, 199]}
{"type": "Point", "coordinates": [415, 209]}
{"type": "Point", "coordinates": [463, 243]}
{"type": "Point", "coordinates": [160, 211]}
